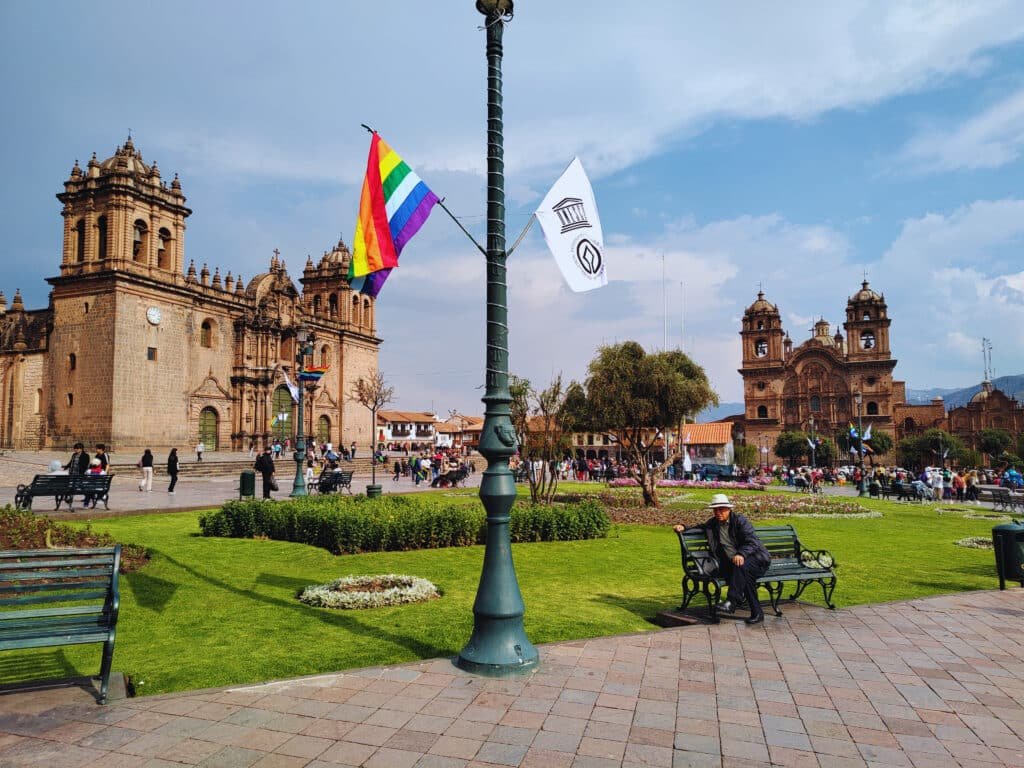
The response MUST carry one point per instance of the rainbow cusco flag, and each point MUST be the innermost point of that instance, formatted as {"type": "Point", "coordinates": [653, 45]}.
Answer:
{"type": "Point", "coordinates": [393, 206]}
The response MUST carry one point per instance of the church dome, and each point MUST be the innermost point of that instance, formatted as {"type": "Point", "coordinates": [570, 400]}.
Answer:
{"type": "Point", "coordinates": [983, 394]}
{"type": "Point", "coordinates": [864, 294]}
{"type": "Point", "coordinates": [762, 305]}
{"type": "Point", "coordinates": [126, 159]}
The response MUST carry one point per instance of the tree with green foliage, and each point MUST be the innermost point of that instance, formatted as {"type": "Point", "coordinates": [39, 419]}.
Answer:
{"type": "Point", "coordinates": [826, 453]}
{"type": "Point", "coordinates": [543, 425]}
{"type": "Point", "coordinates": [635, 398]}
{"type": "Point", "coordinates": [792, 446]}
{"type": "Point", "coordinates": [880, 444]}
{"type": "Point", "coordinates": [994, 442]}
{"type": "Point", "coordinates": [932, 448]}
{"type": "Point", "coordinates": [746, 456]}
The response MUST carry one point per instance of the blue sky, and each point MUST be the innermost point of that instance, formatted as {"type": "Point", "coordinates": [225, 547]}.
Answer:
{"type": "Point", "coordinates": [794, 146]}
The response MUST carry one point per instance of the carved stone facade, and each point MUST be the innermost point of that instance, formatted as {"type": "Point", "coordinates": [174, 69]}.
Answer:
{"type": "Point", "coordinates": [136, 350]}
{"type": "Point", "coordinates": [786, 387]}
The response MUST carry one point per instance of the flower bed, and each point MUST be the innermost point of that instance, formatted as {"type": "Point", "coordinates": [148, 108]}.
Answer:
{"type": "Point", "coordinates": [974, 542]}
{"type": "Point", "coordinates": [775, 505]}
{"type": "Point", "coordinates": [376, 591]}
{"type": "Point", "coordinates": [726, 485]}
{"type": "Point", "coordinates": [23, 529]}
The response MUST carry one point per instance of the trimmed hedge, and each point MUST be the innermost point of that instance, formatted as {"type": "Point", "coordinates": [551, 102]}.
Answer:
{"type": "Point", "coordinates": [352, 524]}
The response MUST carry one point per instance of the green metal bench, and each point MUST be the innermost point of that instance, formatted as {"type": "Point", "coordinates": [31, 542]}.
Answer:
{"type": "Point", "coordinates": [330, 482]}
{"type": "Point", "coordinates": [791, 562]}
{"type": "Point", "coordinates": [63, 489]}
{"type": "Point", "coordinates": [79, 585]}
{"type": "Point", "coordinates": [1004, 499]}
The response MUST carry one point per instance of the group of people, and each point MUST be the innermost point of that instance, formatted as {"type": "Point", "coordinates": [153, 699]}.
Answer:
{"type": "Point", "coordinates": [442, 467]}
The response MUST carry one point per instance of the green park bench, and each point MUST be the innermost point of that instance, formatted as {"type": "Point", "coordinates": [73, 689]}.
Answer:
{"type": "Point", "coordinates": [791, 562]}
{"type": "Point", "coordinates": [330, 482]}
{"type": "Point", "coordinates": [1006, 500]}
{"type": "Point", "coordinates": [80, 584]}
{"type": "Point", "coordinates": [63, 489]}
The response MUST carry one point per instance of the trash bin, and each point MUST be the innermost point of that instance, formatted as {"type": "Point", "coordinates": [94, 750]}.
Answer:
{"type": "Point", "coordinates": [373, 491]}
{"type": "Point", "coordinates": [1008, 543]}
{"type": "Point", "coordinates": [247, 483]}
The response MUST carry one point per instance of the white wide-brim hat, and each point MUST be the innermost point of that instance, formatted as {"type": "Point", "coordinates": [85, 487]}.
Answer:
{"type": "Point", "coordinates": [720, 500]}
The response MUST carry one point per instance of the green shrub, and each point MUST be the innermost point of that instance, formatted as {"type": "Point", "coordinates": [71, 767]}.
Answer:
{"type": "Point", "coordinates": [351, 524]}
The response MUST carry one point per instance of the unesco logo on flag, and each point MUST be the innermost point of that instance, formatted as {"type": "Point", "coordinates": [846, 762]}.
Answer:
{"type": "Point", "coordinates": [571, 214]}
{"type": "Point", "coordinates": [588, 257]}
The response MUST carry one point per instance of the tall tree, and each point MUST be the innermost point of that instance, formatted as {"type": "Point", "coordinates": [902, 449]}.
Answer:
{"type": "Point", "coordinates": [746, 456]}
{"type": "Point", "coordinates": [881, 443]}
{"type": "Point", "coordinates": [994, 442]}
{"type": "Point", "coordinates": [372, 392]}
{"type": "Point", "coordinates": [636, 398]}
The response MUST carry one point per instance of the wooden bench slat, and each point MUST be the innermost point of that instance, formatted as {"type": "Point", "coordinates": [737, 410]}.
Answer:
{"type": "Point", "coordinates": [47, 586]}
{"type": "Point", "coordinates": [59, 563]}
{"type": "Point", "coordinates": [55, 640]}
{"type": "Point", "coordinates": [10, 554]}
{"type": "Point", "coordinates": [70, 574]}
{"type": "Point", "coordinates": [61, 597]}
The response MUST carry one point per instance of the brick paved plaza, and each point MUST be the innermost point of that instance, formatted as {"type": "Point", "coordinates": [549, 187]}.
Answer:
{"type": "Point", "coordinates": [933, 682]}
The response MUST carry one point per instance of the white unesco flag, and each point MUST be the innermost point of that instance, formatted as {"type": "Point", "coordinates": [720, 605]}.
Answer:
{"type": "Point", "coordinates": [572, 228]}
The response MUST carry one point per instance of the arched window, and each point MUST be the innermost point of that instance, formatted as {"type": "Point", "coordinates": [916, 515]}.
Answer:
{"type": "Point", "coordinates": [332, 305]}
{"type": "Point", "coordinates": [909, 425]}
{"type": "Point", "coordinates": [80, 240]}
{"type": "Point", "coordinates": [101, 238]}
{"type": "Point", "coordinates": [762, 411]}
{"type": "Point", "coordinates": [208, 423]}
{"type": "Point", "coordinates": [355, 310]}
{"type": "Point", "coordinates": [325, 355]}
{"type": "Point", "coordinates": [841, 404]}
{"type": "Point", "coordinates": [206, 334]}
{"type": "Point", "coordinates": [760, 325]}
{"type": "Point", "coordinates": [323, 429]}
{"type": "Point", "coordinates": [37, 401]}
{"type": "Point", "coordinates": [872, 408]}
{"type": "Point", "coordinates": [867, 339]}
{"type": "Point", "coordinates": [867, 315]}
{"type": "Point", "coordinates": [815, 404]}
{"type": "Point", "coordinates": [761, 347]}
{"type": "Point", "coordinates": [72, 361]}
{"type": "Point", "coordinates": [163, 253]}
{"type": "Point", "coordinates": [140, 241]}
{"type": "Point", "coordinates": [316, 304]}
{"type": "Point", "coordinates": [367, 320]}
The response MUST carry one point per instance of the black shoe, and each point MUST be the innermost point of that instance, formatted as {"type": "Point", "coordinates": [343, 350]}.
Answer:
{"type": "Point", "coordinates": [756, 619]}
{"type": "Point", "coordinates": [727, 607]}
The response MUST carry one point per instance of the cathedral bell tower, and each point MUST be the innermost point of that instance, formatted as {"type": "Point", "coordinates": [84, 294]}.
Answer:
{"type": "Point", "coordinates": [762, 335]}
{"type": "Point", "coordinates": [867, 326]}
{"type": "Point", "coordinates": [119, 214]}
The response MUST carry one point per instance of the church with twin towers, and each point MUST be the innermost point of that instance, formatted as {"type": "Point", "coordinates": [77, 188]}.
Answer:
{"type": "Point", "coordinates": [139, 348]}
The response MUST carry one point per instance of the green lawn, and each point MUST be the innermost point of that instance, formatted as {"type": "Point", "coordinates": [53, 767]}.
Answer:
{"type": "Point", "coordinates": [211, 612]}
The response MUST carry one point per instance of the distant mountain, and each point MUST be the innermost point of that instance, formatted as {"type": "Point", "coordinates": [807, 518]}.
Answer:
{"type": "Point", "coordinates": [719, 412]}
{"type": "Point", "coordinates": [1012, 386]}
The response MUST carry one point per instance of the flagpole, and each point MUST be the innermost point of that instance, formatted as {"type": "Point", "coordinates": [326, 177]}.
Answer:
{"type": "Point", "coordinates": [498, 646]}
{"type": "Point", "coordinates": [459, 225]}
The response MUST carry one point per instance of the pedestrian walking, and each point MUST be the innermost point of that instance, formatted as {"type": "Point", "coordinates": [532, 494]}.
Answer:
{"type": "Point", "coordinates": [200, 450]}
{"type": "Point", "coordinates": [146, 464]}
{"type": "Point", "coordinates": [265, 466]}
{"type": "Point", "coordinates": [172, 469]}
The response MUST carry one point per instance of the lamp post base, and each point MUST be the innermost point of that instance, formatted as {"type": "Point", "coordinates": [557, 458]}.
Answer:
{"type": "Point", "coordinates": [499, 648]}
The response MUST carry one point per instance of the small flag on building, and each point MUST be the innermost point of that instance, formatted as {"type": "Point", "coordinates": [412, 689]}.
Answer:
{"type": "Point", "coordinates": [292, 387]}
{"type": "Point", "coordinates": [572, 229]}
{"type": "Point", "coordinates": [313, 373]}
{"type": "Point", "coordinates": [867, 433]}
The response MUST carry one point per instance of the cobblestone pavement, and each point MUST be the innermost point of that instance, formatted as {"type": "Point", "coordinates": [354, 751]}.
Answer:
{"type": "Point", "coordinates": [927, 683]}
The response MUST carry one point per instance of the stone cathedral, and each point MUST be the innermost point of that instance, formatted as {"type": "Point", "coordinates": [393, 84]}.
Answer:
{"type": "Point", "coordinates": [137, 350]}
{"type": "Point", "coordinates": [811, 387]}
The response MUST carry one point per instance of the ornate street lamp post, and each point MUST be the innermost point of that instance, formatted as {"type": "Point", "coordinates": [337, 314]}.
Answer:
{"type": "Point", "coordinates": [862, 488]}
{"type": "Point", "coordinates": [304, 346]}
{"type": "Point", "coordinates": [498, 646]}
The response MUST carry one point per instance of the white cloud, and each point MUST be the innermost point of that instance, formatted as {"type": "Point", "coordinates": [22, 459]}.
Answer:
{"type": "Point", "coordinates": [990, 139]}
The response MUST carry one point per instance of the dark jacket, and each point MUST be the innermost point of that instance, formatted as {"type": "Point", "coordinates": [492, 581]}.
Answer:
{"type": "Point", "coordinates": [265, 464]}
{"type": "Point", "coordinates": [78, 465]}
{"type": "Point", "coordinates": [146, 460]}
{"type": "Point", "coordinates": [172, 464]}
{"type": "Point", "coordinates": [741, 530]}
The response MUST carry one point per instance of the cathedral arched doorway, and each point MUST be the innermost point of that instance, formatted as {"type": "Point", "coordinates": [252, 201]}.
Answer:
{"type": "Point", "coordinates": [281, 404]}
{"type": "Point", "coordinates": [209, 420]}
{"type": "Point", "coordinates": [323, 430]}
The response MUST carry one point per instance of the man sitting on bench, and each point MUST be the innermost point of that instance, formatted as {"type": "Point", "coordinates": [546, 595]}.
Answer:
{"type": "Point", "coordinates": [742, 557]}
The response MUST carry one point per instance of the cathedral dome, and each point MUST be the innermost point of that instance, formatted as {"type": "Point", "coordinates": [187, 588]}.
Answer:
{"type": "Point", "coordinates": [865, 294]}
{"type": "Point", "coordinates": [126, 159]}
{"type": "Point", "coordinates": [983, 394]}
{"type": "Point", "coordinates": [762, 305]}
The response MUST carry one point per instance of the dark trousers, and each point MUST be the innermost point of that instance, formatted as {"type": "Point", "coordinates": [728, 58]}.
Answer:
{"type": "Point", "coordinates": [743, 582]}
{"type": "Point", "coordinates": [174, 482]}
{"type": "Point", "coordinates": [268, 478]}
